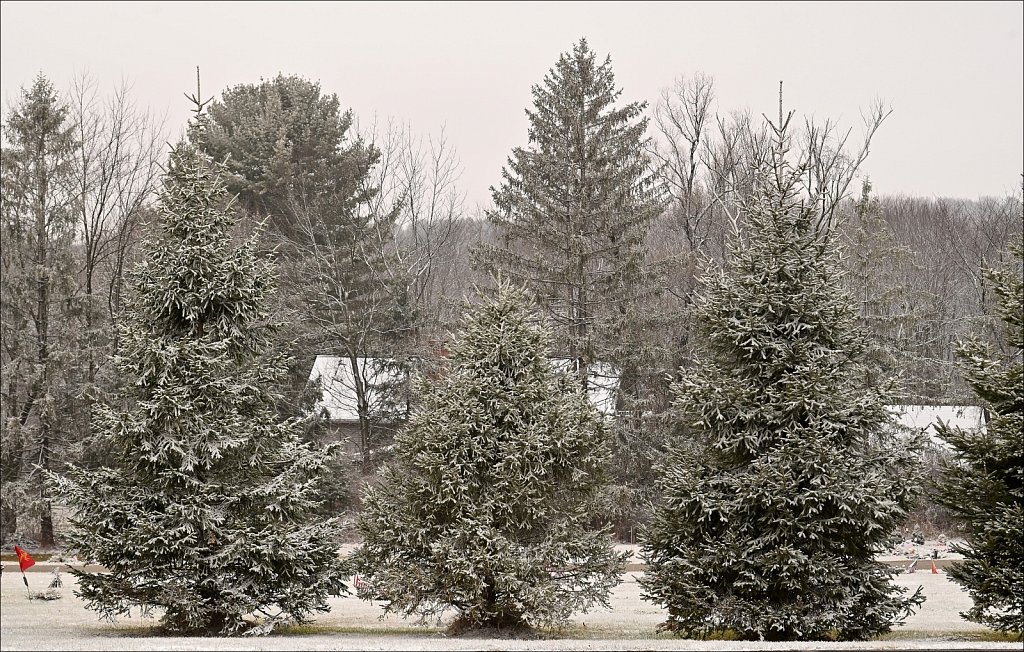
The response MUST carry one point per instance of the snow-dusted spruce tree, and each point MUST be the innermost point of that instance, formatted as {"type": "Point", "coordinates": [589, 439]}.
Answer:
{"type": "Point", "coordinates": [786, 477]}
{"type": "Point", "coordinates": [984, 484]}
{"type": "Point", "coordinates": [209, 515]}
{"type": "Point", "coordinates": [487, 507]}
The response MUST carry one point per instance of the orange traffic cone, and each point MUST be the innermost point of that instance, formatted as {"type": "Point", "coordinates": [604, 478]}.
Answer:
{"type": "Point", "coordinates": [935, 571]}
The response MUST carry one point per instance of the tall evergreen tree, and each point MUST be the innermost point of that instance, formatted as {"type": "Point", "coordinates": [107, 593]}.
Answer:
{"type": "Point", "coordinates": [487, 507]}
{"type": "Point", "coordinates": [574, 208]}
{"type": "Point", "coordinates": [39, 307]}
{"type": "Point", "coordinates": [984, 485]}
{"type": "Point", "coordinates": [572, 215]}
{"type": "Point", "coordinates": [787, 477]}
{"type": "Point", "coordinates": [209, 513]}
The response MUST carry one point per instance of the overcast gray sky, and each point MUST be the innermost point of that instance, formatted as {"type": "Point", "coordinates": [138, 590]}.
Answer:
{"type": "Point", "coordinates": [951, 71]}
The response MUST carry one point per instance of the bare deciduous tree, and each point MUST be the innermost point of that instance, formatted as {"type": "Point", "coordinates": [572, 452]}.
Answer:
{"type": "Point", "coordinates": [349, 293]}
{"type": "Point", "coordinates": [952, 241]}
{"type": "Point", "coordinates": [373, 280]}
{"type": "Point", "coordinates": [830, 167]}
{"type": "Point", "coordinates": [705, 159]}
{"type": "Point", "coordinates": [419, 177]}
{"type": "Point", "coordinates": [116, 172]}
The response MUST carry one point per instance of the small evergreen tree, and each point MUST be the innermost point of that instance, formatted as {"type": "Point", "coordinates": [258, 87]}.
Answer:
{"type": "Point", "coordinates": [788, 477]}
{"type": "Point", "coordinates": [209, 514]}
{"type": "Point", "coordinates": [984, 484]}
{"type": "Point", "coordinates": [487, 507]}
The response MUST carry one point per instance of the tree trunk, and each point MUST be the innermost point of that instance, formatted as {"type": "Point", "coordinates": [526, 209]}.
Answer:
{"type": "Point", "coordinates": [46, 536]}
{"type": "Point", "coordinates": [363, 411]}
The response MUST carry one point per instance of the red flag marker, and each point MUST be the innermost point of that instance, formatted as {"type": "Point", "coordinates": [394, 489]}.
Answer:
{"type": "Point", "coordinates": [25, 561]}
{"type": "Point", "coordinates": [935, 571]}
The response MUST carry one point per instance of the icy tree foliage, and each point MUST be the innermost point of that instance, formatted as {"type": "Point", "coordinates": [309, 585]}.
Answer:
{"type": "Point", "coordinates": [787, 477]}
{"type": "Point", "coordinates": [984, 485]}
{"type": "Point", "coordinates": [487, 506]}
{"type": "Point", "coordinates": [209, 515]}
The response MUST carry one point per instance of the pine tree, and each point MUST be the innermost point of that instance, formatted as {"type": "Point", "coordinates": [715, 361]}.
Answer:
{"type": "Point", "coordinates": [283, 140]}
{"type": "Point", "coordinates": [487, 507]}
{"type": "Point", "coordinates": [209, 514]}
{"type": "Point", "coordinates": [984, 484]}
{"type": "Point", "coordinates": [39, 308]}
{"type": "Point", "coordinates": [787, 477]}
{"type": "Point", "coordinates": [294, 159]}
{"type": "Point", "coordinates": [574, 209]}
{"type": "Point", "coordinates": [573, 215]}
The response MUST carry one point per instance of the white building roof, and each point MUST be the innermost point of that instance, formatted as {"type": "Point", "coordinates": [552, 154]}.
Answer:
{"type": "Point", "coordinates": [337, 383]}
{"type": "Point", "coordinates": [602, 383]}
{"type": "Point", "coordinates": [339, 395]}
{"type": "Point", "coordinates": [926, 417]}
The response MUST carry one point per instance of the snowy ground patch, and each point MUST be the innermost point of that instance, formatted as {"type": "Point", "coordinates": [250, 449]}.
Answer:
{"type": "Point", "coordinates": [354, 624]}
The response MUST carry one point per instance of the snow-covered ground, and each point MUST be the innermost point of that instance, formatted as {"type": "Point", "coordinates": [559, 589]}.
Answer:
{"type": "Point", "coordinates": [354, 624]}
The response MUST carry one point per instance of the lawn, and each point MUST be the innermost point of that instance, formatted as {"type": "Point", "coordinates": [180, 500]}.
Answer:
{"type": "Point", "coordinates": [355, 624]}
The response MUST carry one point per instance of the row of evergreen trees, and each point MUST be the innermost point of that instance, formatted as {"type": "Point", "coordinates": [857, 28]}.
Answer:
{"type": "Point", "coordinates": [783, 481]}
